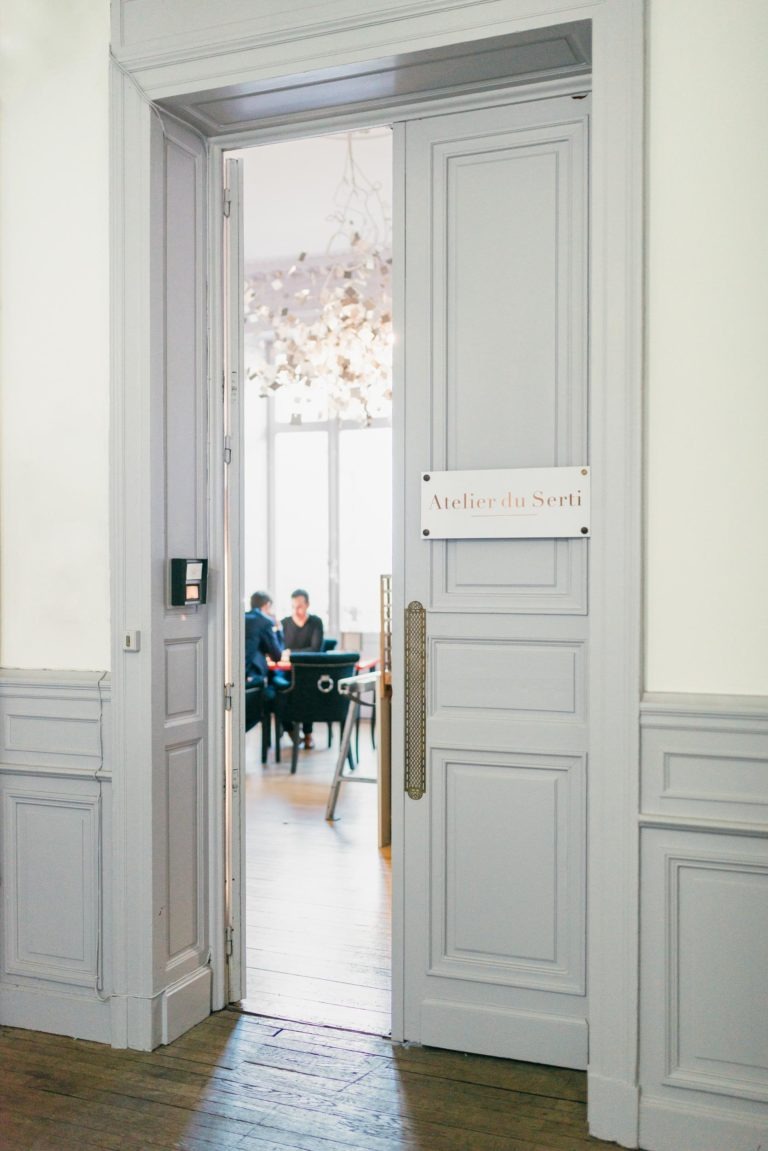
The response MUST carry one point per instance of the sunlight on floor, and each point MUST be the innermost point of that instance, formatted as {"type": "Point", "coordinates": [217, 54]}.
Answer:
{"type": "Point", "coordinates": [318, 893]}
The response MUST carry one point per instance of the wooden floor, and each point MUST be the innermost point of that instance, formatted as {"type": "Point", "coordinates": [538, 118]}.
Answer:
{"type": "Point", "coordinates": [312, 1072]}
{"type": "Point", "coordinates": [240, 1082]}
{"type": "Point", "coordinates": [318, 893]}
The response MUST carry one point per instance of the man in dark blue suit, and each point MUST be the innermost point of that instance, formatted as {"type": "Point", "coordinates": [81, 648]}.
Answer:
{"type": "Point", "coordinates": [263, 638]}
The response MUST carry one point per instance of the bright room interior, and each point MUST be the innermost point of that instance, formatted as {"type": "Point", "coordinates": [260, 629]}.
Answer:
{"type": "Point", "coordinates": [317, 515]}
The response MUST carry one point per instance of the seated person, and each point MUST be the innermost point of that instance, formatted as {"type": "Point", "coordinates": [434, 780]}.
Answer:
{"type": "Point", "coordinates": [303, 632]}
{"type": "Point", "coordinates": [263, 638]}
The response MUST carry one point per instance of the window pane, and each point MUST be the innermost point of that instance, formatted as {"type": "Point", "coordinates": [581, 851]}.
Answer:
{"type": "Point", "coordinates": [301, 519]}
{"type": "Point", "coordinates": [313, 410]}
{"type": "Point", "coordinates": [365, 545]}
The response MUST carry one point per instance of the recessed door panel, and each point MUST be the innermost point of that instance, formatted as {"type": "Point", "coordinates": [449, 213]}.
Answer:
{"type": "Point", "coordinates": [495, 363]}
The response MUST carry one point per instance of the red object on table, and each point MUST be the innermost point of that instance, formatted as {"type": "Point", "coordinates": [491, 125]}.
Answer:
{"type": "Point", "coordinates": [285, 664]}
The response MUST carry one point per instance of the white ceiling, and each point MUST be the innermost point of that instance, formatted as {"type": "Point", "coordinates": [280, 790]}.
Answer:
{"type": "Point", "coordinates": [289, 191]}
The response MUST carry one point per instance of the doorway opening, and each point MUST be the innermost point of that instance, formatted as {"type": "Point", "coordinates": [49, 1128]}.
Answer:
{"type": "Point", "coordinates": [317, 483]}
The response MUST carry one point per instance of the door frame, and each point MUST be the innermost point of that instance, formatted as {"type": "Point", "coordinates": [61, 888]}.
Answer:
{"type": "Point", "coordinates": [219, 147]}
{"type": "Point", "coordinates": [616, 310]}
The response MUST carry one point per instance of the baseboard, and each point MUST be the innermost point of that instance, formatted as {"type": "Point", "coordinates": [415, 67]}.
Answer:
{"type": "Point", "coordinates": [671, 1127]}
{"type": "Point", "coordinates": [33, 1009]}
{"type": "Point", "coordinates": [186, 1003]}
{"type": "Point", "coordinates": [550, 1039]}
{"type": "Point", "coordinates": [144, 1024]}
{"type": "Point", "coordinates": [612, 1109]}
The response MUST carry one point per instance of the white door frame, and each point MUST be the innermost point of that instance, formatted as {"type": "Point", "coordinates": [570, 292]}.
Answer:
{"type": "Point", "coordinates": [217, 280]}
{"type": "Point", "coordinates": [615, 367]}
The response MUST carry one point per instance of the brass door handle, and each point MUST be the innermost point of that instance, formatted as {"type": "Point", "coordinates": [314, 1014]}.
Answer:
{"type": "Point", "coordinates": [415, 700]}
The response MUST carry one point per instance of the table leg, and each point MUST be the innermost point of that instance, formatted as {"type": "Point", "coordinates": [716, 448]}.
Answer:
{"type": "Point", "coordinates": [346, 737]}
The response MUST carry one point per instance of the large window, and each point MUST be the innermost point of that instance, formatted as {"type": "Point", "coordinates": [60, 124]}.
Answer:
{"type": "Point", "coordinates": [318, 342]}
{"type": "Point", "coordinates": [330, 518]}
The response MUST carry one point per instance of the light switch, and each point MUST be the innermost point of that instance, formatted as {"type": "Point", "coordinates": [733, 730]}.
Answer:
{"type": "Point", "coordinates": [131, 641]}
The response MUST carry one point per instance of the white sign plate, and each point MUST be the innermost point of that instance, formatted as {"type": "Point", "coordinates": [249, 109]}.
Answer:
{"type": "Point", "coordinates": [508, 503]}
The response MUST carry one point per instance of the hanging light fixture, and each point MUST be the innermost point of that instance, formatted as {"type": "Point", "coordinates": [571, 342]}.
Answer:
{"type": "Point", "coordinates": [326, 324]}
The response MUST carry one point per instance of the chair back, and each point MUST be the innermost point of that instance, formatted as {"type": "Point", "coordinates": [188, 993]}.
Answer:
{"type": "Point", "coordinates": [313, 696]}
{"type": "Point", "coordinates": [254, 706]}
{"type": "Point", "coordinates": [329, 643]}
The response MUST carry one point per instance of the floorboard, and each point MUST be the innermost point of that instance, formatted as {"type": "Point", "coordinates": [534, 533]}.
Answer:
{"type": "Point", "coordinates": [307, 1066]}
{"type": "Point", "coordinates": [240, 1082]}
{"type": "Point", "coordinates": [317, 893]}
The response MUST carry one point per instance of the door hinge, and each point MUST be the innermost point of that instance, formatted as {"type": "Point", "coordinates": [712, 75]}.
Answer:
{"type": "Point", "coordinates": [227, 449]}
{"type": "Point", "coordinates": [229, 941]}
{"type": "Point", "coordinates": [226, 204]}
{"type": "Point", "coordinates": [228, 696]}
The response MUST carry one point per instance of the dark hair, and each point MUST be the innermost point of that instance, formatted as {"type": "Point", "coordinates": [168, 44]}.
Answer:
{"type": "Point", "coordinates": [300, 592]}
{"type": "Point", "coordinates": [259, 599]}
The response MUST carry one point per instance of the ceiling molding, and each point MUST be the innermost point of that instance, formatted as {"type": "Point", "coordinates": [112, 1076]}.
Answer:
{"type": "Point", "coordinates": [528, 57]}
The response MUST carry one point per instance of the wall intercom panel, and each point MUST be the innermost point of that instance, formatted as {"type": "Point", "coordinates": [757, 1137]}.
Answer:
{"type": "Point", "coordinates": [189, 582]}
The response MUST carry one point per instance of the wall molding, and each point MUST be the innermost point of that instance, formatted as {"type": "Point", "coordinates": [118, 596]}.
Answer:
{"type": "Point", "coordinates": [55, 831]}
{"type": "Point", "coordinates": [182, 45]}
{"type": "Point", "coordinates": [704, 825]}
{"type": "Point", "coordinates": [666, 1126]}
{"type": "Point", "coordinates": [715, 826]}
{"type": "Point", "coordinates": [613, 1109]}
{"type": "Point", "coordinates": [55, 722]}
{"type": "Point", "coordinates": [557, 1040]}
{"type": "Point", "coordinates": [57, 1012]}
{"type": "Point", "coordinates": [704, 762]}
{"type": "Point", "coordinates": [702, 710]}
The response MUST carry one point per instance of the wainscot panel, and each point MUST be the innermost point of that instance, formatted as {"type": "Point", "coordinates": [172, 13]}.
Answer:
{"type": "Point", "coordinates": [704, 923]}
{"type": "Point", "coordinates": [705, 757]}
{"type": "Point", "coordinates": [55, 806]}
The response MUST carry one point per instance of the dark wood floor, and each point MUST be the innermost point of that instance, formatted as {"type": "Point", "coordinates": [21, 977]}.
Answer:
{"type": "Point", "coordinates": [252, 1084]}
{"type": "Point", "coordinates": [312, 1071]}
{"type": "Point", "coordinates": [318, 893]}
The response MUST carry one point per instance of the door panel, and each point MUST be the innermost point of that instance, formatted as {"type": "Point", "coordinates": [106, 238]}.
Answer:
{"type": "Point", "coordinates": [233, 276]}
{"type": "Point", "coordinates": [510, 575]}
{"type": "Point", "coordinates": [495, 376]}
{"type": "Point", "coordinates": [177, 641]}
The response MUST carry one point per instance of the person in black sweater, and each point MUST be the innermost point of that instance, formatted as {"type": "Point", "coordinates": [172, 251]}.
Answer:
{"type": "Point", "coordinates": [303, 632]}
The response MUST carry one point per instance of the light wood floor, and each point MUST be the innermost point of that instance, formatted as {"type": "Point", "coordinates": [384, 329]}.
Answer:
{"type": "Point", "coordinates": [318, 893]}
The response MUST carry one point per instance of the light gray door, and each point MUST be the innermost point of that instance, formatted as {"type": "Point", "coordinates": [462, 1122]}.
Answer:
{"type": "Point", "coordinates": [233, 279]}
{"type": "Point", "coordinates": [495, 338]}
{"type": "Point", "coordinates": [175, 650]}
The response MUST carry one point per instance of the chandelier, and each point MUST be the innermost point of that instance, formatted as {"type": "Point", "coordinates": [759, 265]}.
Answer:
{"type": "Point", "coordinates": [325, 323]}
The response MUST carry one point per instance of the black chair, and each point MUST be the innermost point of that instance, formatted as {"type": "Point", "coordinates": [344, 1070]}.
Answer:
{"type": "Point", "coordinates": [329, 643]}
{"type": "Point", "coordinates": [313, 696]}
{"type": "Point", "coordinates": [258, 710]}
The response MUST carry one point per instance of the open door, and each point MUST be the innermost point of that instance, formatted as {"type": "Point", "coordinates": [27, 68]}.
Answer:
{"type": "Point", "coordinates": [234, 729]}
{"type": "Point", "coordinates": [495, 335]}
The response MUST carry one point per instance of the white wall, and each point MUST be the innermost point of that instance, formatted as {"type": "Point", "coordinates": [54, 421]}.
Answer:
{"type": "Point", "coordinates": [54, 334]}
{"type": "Point", "coordinates": [707, 567]}
{"type": "Point", "coordinates": [707, 438]}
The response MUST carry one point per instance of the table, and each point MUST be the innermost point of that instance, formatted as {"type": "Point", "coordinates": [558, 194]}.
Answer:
{"type": "Point", "coordinates": [363, 665]}
{"type": "Point", "coordinates": [354, 686]}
